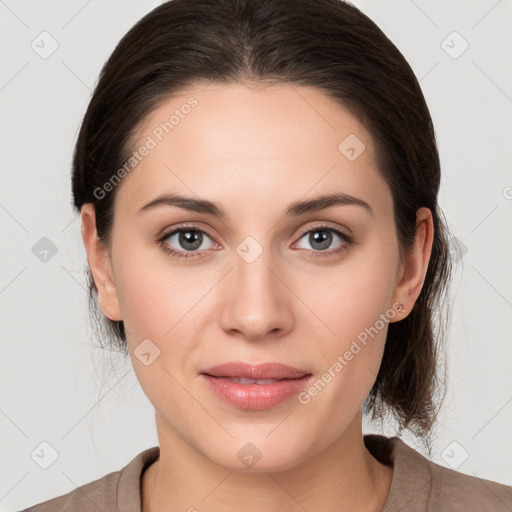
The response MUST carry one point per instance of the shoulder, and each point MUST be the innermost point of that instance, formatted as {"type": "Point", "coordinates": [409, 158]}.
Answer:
{"type": "Point", "coordinates": [459, 491]}
{"type": "Point", "coordinates": [110, 493]}
{"type": "Point", "coordinates": [420, 485]}
{"type": "Point", "coordinates": [96, 495]}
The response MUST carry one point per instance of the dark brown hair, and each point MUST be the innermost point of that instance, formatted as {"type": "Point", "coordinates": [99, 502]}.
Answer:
{"type": "Point", "coordinates": [327, 44]}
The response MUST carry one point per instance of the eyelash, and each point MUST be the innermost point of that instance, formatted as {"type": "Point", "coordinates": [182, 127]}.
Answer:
{"type": "Point", "coordinates": [347, 241]}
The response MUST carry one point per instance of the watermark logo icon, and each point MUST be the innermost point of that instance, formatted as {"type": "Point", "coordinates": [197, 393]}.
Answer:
{"type": "Point", "coordinates": [454, 455]}
{"type": "Point", "coordinates": [351, 147]}
{"type": "Point", "coordinates": [457, 249]}
{"type": "Point", "coordinates": [44, 250]}
{"type": "Point", "coordinates": [146, 352]}
{"type": "Point", "coordinates": [454, 45]}
{"type": "Point", "coordinates": [44, 45]}
{"type": "Point", "coordinates": [44, 455]}
{"type": "Point", "coordinates": [249, 454]}
{"type": "Point", "coordinates": [249, 249]}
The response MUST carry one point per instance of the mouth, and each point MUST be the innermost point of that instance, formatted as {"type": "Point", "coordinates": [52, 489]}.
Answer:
{"type": "Point", "coordinates": [255, 387]}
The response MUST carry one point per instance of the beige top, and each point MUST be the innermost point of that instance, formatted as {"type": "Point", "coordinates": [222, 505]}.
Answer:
{"type": "Point", "coordinates": [418, 485]}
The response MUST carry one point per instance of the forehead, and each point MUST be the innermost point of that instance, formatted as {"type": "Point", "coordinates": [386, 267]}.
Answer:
{"type": "Point", "coordinates": [228, 141]}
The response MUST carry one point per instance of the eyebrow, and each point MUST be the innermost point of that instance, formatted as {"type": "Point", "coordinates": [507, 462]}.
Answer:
{"type": "Point", "coordinates": [294, 209]}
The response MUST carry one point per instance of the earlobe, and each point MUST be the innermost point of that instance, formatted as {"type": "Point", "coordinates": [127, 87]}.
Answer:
{"type": "Point", "coordinates": [416, 262]}
{"type": "Point", "coordinates": [100, 264]}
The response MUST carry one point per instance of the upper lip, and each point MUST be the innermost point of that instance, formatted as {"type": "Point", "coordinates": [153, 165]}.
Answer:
{"type": "Point", "coordinates": [270, 370]}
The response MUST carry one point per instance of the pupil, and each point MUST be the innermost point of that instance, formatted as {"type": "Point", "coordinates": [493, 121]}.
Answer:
{"type": "Point", "coordinates": [324, 239]}
{"type": "Point", "coordinates": [193, 238]}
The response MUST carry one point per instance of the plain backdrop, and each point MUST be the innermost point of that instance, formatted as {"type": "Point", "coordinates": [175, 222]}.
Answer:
{"type": "Point", "coordinates": [56, 388]}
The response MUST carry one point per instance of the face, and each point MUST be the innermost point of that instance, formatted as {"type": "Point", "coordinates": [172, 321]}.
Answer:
{"type": "Point", "coordinates": [311, 287]}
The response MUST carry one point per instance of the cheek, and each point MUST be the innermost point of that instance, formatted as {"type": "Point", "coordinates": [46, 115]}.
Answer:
{"type": "Point", "coordinates": [153, 295]}
{"type": "Point", "coordinates": [354, 302]}
{"type": "Point", "coordinates": [351, 298]}
{"type": "Point", "coordinates": [145, 303]}
{"type": "Point", "coordinates": [355, 307]}
{"type": "Point", "coordinates": [157, 306]}
{"type": "Point", "coordinates": [162, 303]}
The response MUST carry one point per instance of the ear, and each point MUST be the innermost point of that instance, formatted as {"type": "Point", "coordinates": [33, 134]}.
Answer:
{"type": "Point", "coordinates": [414, 268]}
{"type": "Point", "coordinates": [100, 264]}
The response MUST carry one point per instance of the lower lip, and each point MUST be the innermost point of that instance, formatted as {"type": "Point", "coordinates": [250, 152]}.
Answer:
{"type": "Point", "coordinates": [256, 396]}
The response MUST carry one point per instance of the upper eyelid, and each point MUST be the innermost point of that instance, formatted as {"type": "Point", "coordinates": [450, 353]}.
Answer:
{"type": "Point", "coordinates": [324, 226]}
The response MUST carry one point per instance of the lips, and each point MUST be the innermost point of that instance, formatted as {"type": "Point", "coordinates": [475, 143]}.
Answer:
{"type": "Point", "coordinates": [255, 387]}
{"type": "Point", "coordinates": [259, 372]}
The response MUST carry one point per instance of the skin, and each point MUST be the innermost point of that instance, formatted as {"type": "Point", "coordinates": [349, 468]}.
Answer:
{"type": "Point", "coordinates": [255, 151]}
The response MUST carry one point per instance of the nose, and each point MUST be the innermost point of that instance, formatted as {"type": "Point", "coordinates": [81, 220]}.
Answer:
{"type": "Point", "coordinates": [257, 302]}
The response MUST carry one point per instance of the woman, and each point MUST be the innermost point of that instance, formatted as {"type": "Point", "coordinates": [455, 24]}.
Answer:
{"type": "Point", "coordinates": [257, 184]}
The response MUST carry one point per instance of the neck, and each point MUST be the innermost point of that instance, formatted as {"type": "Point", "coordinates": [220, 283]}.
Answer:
{"type": "Point", "coordinates": [344, 477]}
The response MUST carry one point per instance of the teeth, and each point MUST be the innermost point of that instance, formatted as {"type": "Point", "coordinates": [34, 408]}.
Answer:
{"type": "Point", "coordinates": [243, 380]}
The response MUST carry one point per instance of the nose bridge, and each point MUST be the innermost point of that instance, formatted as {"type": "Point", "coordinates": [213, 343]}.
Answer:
{"type": "Point", "coordinates": [255, 302]}
{"type": "Point", "coordinates": [252, 268]}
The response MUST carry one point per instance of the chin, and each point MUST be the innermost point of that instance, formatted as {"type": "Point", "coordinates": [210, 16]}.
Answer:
{"type": "Point", "coordinates": [259, 455]}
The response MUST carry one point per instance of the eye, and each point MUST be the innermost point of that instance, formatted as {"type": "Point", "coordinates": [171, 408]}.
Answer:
{"type": "Point", "coordinates": [321, 238]}
{"type": "Point", "coordinates": [186, 240]}
{"type": "Point", "coordinates": [189, 242]}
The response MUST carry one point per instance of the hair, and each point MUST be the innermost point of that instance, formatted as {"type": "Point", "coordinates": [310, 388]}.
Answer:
{"type": "Point", "coordinates": [327, 44]}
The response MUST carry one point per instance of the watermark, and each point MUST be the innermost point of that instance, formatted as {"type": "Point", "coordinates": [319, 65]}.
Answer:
{"type": "Point", "coordinates": [457, 249]}
{"type": "Point", "coordinates": [151, 142]}
{"type": "Point", "coordinates": [44, 45]}
{"type": "Point", "coordinates": [44, 454]}
{"type": "Point", "coordinates": [454, 44]}
{"type": "Point", "coordinates": [454, 455]}
{"type": "Point", "coordinates": [351, 147]}
{"type": "Point", "coordinates": [249, 249]}
{"type": "Point", "coordinates": [146, 352]}
{"type": "Point", "coordinates": [44, 250]}
{"type": "Point", "coordinates": [249, 454]}
{"type": "Point", "coordinates": [304, 397]}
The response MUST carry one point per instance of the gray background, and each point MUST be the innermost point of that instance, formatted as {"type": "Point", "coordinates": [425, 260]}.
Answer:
{"type": "Point", "coordinates": [57, 388]}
